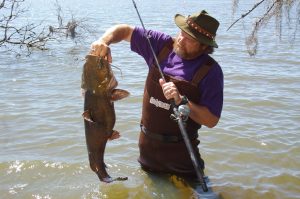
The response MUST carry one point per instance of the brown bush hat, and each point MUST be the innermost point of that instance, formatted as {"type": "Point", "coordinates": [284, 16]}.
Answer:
{"type": "Point", "coordinates": [200, 26]}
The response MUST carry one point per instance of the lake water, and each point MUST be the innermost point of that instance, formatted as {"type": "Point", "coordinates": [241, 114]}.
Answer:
{"type": "Point", "coordinates": [254, 152]}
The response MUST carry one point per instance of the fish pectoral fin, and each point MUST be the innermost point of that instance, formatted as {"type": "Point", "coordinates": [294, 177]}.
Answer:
{"type": "Point", "coordinates": [118, 94]}
{"type": "Point", "coordinates": [115, 135]}
{"type": "Point", "coordinates": [87, 116]}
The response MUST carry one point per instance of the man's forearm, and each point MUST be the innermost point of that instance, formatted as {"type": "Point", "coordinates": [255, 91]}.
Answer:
{"type": "Point", "coordinates": [202, 115]}
{"type": "Point", "coordinates": [117, 33]}
{"type": "Point", "coordinates": [114, 34]}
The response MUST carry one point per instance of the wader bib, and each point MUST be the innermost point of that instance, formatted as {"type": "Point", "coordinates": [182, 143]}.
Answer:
{"type": "Point", "coordinates": [162, 148]}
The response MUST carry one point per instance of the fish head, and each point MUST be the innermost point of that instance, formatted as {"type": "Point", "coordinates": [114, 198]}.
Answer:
{"type": "Point", "coordinates": [98, 76]}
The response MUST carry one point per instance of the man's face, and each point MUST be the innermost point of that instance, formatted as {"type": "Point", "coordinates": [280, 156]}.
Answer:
{"type": "Point", "coordinates": [187, 47]}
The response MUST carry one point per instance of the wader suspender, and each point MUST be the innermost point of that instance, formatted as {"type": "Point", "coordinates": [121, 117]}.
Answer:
{"type": "Point", "coordinates": [200, 74]}
{"type": "Point", "coordinates": [165, 51]}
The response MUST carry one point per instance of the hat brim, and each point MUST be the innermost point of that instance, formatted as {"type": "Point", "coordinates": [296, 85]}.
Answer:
{"type": "Point", "coordinates": [180, 21]}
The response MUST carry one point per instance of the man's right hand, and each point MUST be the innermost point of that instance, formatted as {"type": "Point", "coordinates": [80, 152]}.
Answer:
{"type": "Point", "coordinates": [114, 34]}
{"type": "Point", "coordinates": [101, 49]}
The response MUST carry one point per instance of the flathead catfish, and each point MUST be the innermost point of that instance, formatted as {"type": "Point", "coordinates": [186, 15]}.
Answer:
{"type": "Point", "coordinates": [99, 84]}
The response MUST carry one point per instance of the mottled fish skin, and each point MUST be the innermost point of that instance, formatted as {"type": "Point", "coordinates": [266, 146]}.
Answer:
{"type": "Point", "coordinates": [99, 84]}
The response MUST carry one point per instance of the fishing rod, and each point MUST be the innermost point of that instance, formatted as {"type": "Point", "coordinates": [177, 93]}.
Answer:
{"type": "Point", "coordinates": [177, 115]}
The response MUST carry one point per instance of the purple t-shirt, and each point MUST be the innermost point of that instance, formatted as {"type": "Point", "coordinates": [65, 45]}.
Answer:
{"type": "Point", "coordinates": [211, 85]}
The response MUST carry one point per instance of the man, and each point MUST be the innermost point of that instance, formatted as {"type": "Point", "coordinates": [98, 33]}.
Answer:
{"type": "Point", "coordinates": [192, 78]}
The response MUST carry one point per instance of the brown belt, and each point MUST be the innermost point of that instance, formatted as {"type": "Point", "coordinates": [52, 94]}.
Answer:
{"type": "Point", "coordinates": [166, 138]}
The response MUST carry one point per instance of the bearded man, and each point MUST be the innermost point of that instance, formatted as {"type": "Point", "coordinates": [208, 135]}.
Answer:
{"type": "Point", "coordinates": [193, 78]}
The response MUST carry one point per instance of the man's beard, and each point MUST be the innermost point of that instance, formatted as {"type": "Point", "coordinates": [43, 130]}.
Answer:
{"type": "Point", "coordinates": [182, 52]}
{"type": "Point", "coordinates": [179, 51]}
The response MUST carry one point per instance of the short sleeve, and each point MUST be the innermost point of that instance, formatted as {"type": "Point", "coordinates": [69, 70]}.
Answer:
{"type": "Point", "coordinates": [140, 44]}
{"type": "Point", "coordinates": [211, 88]}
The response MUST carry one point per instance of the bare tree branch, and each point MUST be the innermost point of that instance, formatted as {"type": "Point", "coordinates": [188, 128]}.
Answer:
{"type": "Point", "coordinates": [33, 36]}
{"type": "Point", "coordinates": [243, 15]}
{"type": "Point", "coordinates": [275, 9]}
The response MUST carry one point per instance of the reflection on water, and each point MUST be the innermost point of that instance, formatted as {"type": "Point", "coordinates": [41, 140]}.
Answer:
{"type": "Point", "coordinates": [254, 152]}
